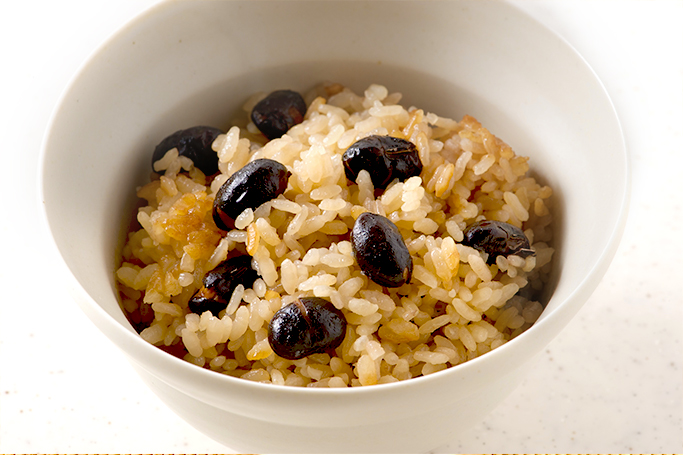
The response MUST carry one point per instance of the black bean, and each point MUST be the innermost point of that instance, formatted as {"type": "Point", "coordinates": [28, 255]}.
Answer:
{"type": "Point", "coordinates": [219, 284]}
{"type": "Point", "coordinates": [278, 112]}
{"type": "Point", "coordinates": [142, 317]}
{"type": "Point", "coordinates": [307, 326]}
{"type": "Point", "coordinates": [385, 157]}
{"type": "Point", "coordinates": [256, 183]}
{"type": "Point", "coordinates": [194, 143]}
{"type": "Point", "coordinates": [497, 238]}
{"type": "Point", "coordinates": [380, 251]}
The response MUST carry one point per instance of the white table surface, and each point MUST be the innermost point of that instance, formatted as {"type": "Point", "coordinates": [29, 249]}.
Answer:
{"type": "Point", "coordinates": [610, 382]}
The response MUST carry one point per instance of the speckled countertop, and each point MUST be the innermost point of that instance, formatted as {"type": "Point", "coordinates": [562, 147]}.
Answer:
{"type": "Point", "coordinates": [610, 382]}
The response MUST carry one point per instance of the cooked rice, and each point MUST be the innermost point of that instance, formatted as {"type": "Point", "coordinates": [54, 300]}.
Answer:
{"type": "Point", "coordinates": [455, 308]}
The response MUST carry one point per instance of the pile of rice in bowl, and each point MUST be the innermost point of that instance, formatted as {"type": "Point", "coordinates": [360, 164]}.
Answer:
{"type": "Point", "coordinates": [457, 304]}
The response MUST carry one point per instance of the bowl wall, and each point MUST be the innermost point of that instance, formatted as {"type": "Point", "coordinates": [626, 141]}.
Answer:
{"type": "Point", "coordinates": [195, 62]}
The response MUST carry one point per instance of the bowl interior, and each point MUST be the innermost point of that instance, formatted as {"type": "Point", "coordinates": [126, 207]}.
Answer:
{"type": "Point", "coordinates": [188, 63]}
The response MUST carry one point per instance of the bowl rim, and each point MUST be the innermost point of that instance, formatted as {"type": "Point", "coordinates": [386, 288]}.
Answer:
{"type": "Point", "coordinates": [129, 341]}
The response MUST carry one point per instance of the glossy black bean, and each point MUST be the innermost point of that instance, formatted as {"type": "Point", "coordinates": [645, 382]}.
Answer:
{"type": "Point", "coordinates": [497, 238]}
{"type": "Point", "coordinates": [194, 143]}
{"type": "Point", "coordinates": [385, 157]}
{"type": "Point", "coordinates": [258, 182]}
{"type": "Point", "coordinates": [278, 112]}
{"type": "Point", "coordinates": [307, 326]}
{"type": "Point", "coordinates": [219, 284]}
{"type": "Point", "coordinates": [380, 250]}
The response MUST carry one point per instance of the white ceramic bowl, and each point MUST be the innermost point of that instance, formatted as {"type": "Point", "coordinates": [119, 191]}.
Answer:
{"type": "Point", "coordinates": [193, 62]}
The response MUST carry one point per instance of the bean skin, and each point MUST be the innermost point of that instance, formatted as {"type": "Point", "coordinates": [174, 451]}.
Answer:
{"type": "Point", "coordinates": [256, 183]}
{"type": "Point", "coordinates": [278, 112]}
{"type": "Point", "coordinates": [380, 250]}
{"type": "Point", "coordinates": [194, 143]}
{"type": "Point", "coordinates": [385, 157]}
{"type": "Point", "coordinates": [497, 238]}
{"type": "Point", "coordinates": [307, 326]}
{"type": "Point", "coordinates": [219, 284]}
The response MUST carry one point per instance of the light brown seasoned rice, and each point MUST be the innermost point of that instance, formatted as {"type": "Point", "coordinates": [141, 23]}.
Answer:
{"type": "Point", "coordinates": [455, 308]}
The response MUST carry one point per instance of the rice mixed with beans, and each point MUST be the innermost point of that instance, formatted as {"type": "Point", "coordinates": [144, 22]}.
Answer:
{"type": "Point", "coordinates": [457, 303]}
